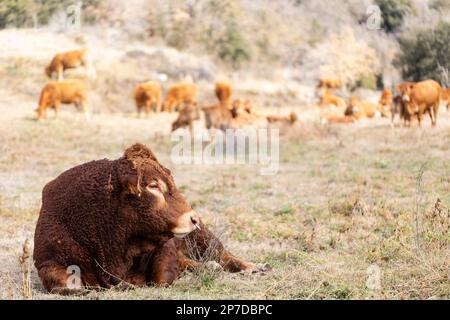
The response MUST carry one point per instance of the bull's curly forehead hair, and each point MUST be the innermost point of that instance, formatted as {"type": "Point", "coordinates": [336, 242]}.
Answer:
{"type": "Point", "coordinates": [138, 155]}
{"type": "Point", "coordinates": [137, 152]}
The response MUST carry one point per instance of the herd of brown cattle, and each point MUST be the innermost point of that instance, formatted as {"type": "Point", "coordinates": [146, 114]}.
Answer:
{"type": "Point", "coordinates": [412, 100]}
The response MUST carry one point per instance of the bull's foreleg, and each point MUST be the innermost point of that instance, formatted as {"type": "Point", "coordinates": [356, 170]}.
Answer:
{"type": "Point", "coordinates": [164, 268]}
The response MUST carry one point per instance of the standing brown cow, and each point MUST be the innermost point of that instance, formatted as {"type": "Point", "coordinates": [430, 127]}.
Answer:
{"type": "Point", "coordinates": [67, 91]}
{"type": "Point", "coordinates": [422, 97]}
{"type": "Point", "coordinates": [179, 94]}
{"type": "Point", "coordinates": [148, 96]}
{"type": "Point", "coordinates": [224, 92]}
{"type": "Point", "coordinates": [70, 60]}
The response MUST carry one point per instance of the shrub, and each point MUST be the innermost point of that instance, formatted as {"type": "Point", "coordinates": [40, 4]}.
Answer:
{"type": "Point", "coordinates": [393, 12]}
{"type": "Point", "coordinates": [425, 54]}
{"type": "Point", "coordinates": [24, 13]}
{"type": "Point", "coordinates": [16, 12]}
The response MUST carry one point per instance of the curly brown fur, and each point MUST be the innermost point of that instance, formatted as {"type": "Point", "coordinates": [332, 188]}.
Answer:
{"type": "Point", "coordinates": [115, 220]}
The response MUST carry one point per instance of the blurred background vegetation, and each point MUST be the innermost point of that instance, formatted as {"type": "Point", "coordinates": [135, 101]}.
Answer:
{"type": "Point", "coordinates": [307, 38]}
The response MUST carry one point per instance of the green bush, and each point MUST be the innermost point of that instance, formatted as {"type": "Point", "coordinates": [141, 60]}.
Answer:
{"type": "Point", "coordinates": [234, 48]}
{"type": "Point", "coordinates": [425, 54]}
{"type": "Point", "coordinates": [25, 13]}
{"type": "Point", "coordinates": [393, 12]}
{"type": "Point", "coordinates": [16, 12]}
{"type": "Point", "coordinates": [368, 81]}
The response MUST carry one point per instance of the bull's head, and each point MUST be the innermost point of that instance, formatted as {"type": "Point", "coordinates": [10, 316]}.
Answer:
{"type": "Point", "coordinates": [150, 198]}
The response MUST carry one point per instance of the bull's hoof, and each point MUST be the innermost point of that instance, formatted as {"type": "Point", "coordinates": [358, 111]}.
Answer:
{"type": "Point", "coordinates": [260, 268]}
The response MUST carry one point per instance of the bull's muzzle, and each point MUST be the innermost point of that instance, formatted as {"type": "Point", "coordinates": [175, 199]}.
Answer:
{"type": "Point", "coordinates": [186, 223]}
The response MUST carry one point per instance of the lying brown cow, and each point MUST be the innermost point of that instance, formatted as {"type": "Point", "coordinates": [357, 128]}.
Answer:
{"type": "Point", "coordinates": [178, 95]}
{"type": "Point", "coordinates": [148, 97]}
{"type": "Point", "coordinates": [67, 91]}
{"type": "Point", "coordinates": [120, 221]}
{"type": "Point", "coordinates": [223, 92]}
{"type": "Point", "coordinates": [290, 119]}
{"type": "Point", "coordinates": [422, 97]}
{"type": "Point", "coordinates": [186, 117]}
{"type": "Point", "coordinates": [70, 60]}
{"type": "Point", "coordinates": [328, 99]}
{"type": "Point", "coordinates": [329, 83]}
{"type": "Point", "coordinates": [326, 119]}
{"type": "Point", "coordinates": [363, 109]}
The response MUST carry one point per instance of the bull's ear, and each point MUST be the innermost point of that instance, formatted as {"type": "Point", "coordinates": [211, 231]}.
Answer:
{"type": "Point", "coordinates": [138, 152]}
{"type": "Point", "coordinates": [129, 178]}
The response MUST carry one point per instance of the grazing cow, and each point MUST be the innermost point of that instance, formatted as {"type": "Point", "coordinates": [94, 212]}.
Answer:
{"type": "Point", "coordinates": [328, 99]}
{"type": "Point", "coordinates": [224, 92]}
{"type": "Point", "coordinates": [67, 91]}
{"type": "Point", "coordinates": [336, 119]}
{"type": "Point", "coordinates": [445, 97]}
{"type": "Point", "coordinates": [329, 83]}
{"type": "Point", "coordinates": [186, 117]}
{"type": "Point", "coordinates": [363, 109]}
{"type": "Point", "coordinates": [120, 221]}
{"type": "Point", "coordinates": [70, 60]}
{"type": "Point", "coordinates": [179, 94]}
{"type": "Point", "coordinates": [422, 97]}
{"type": "Point", "coordinates": [148, 97]}
{"type": "Point", "coordinates": [290, 119]}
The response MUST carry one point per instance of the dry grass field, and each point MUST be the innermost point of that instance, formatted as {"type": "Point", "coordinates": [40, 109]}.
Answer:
{"type": "Point", "coordinates": [346, 197]}
{"type": "Point", "coordinates": [347, 200]}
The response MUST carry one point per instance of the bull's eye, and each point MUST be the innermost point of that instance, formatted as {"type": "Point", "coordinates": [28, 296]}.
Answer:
{"type": "Point", "coordinates": [154, 185]}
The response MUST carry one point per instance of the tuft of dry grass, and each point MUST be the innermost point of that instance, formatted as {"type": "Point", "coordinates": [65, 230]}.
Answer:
{"type": "Point", "coordinates": [25, 265]}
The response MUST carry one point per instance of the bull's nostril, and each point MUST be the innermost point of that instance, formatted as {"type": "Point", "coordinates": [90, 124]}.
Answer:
{"type": "Point", "coordinates": [194, 220]}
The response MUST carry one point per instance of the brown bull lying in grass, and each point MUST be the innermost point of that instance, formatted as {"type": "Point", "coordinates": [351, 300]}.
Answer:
{"type": "Point", "coordinates": [121, 221]}
{"type": "Point", "coordinates": [147, 96]}
{"type": "Point", "coordinates": [65, 92]}
{"type": "Point", "coordinates": [70, 60]}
